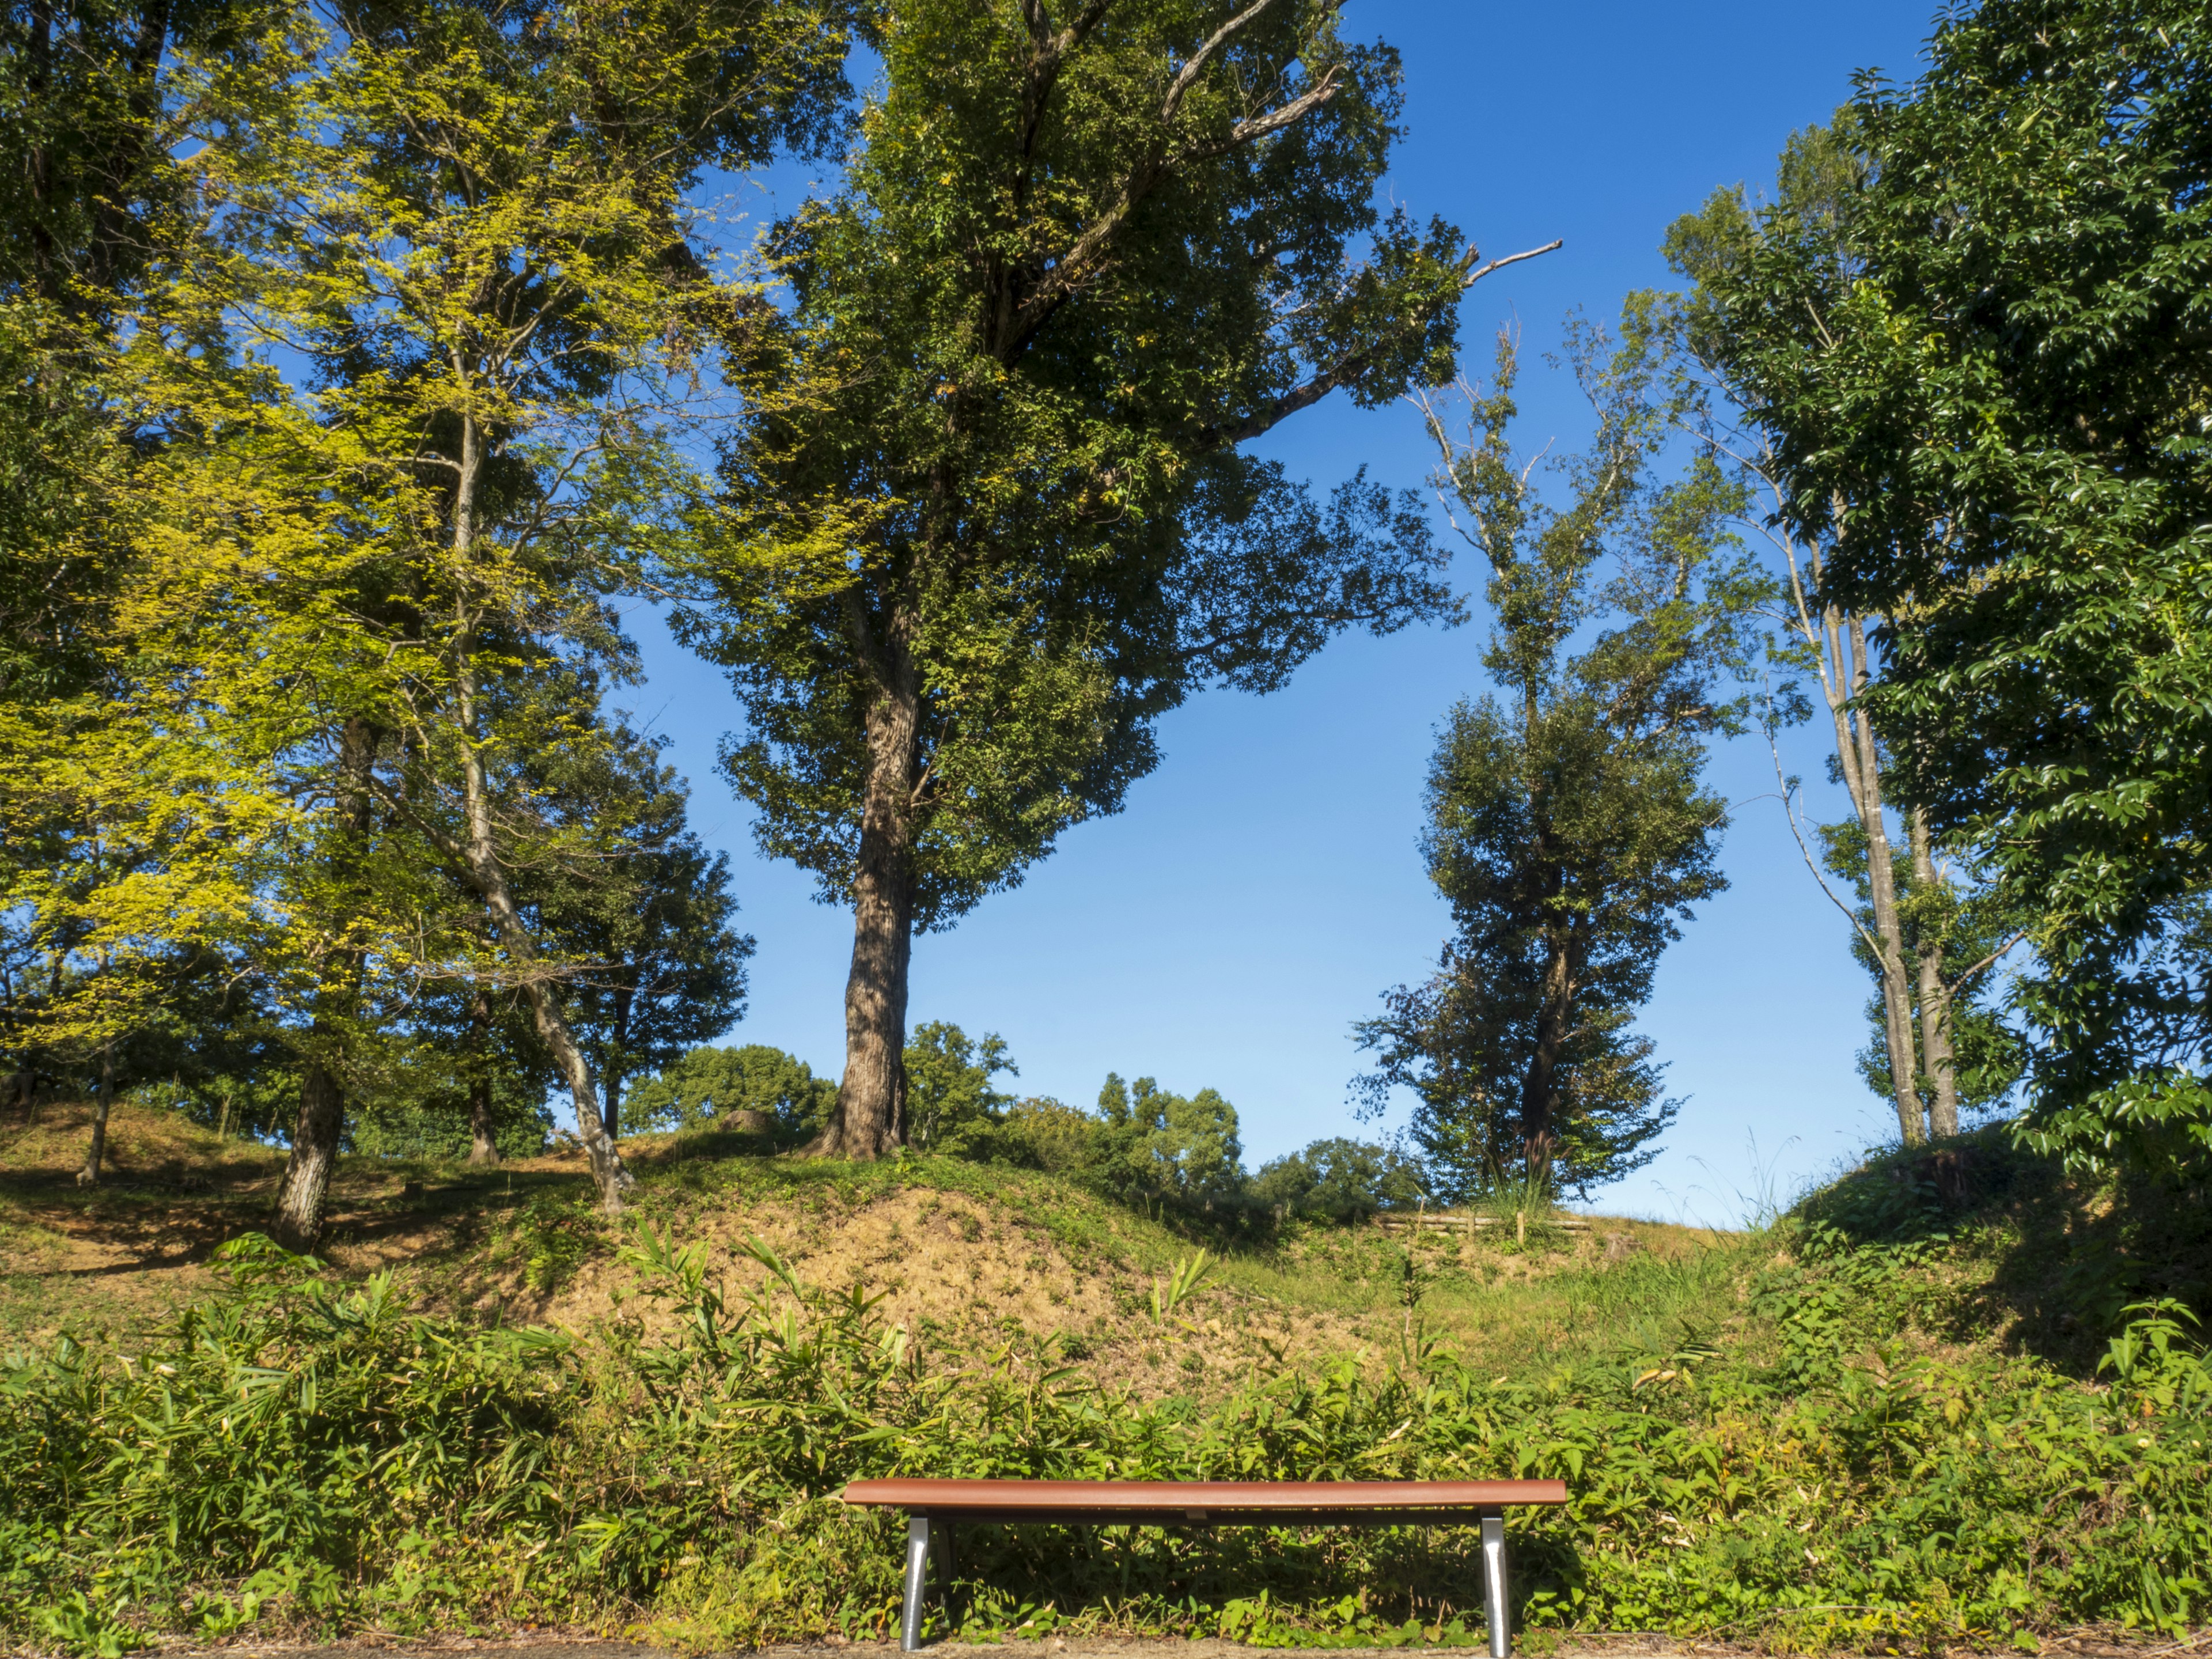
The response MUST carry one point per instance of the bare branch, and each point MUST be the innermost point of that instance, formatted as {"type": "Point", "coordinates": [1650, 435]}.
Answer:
{"type": "Point", "coordinates": [1186, 77]}
{"type": "Point", "coordinates": [1797, 834]}
{"type": "Point", "coordinates": [1958, 984]}
{"type": "Point", "coordinates": [1552, 247]}
{"type": "Point", "coordinates": [1343, 372]}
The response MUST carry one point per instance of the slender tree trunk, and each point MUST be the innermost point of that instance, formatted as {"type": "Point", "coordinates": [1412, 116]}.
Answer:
{"type": "Point", "coordinates": [304, 1191]}
{"type": "Point", "coordinates": [480, 856]}
{"type": "Point", "coordinates": [870, 1120]}
{"type": "Point", "coordinates": [614, 1066]}
{"type": "Point", "coordinates": [1934, 995]}
{"type": "Point", "coordinates": [223, 1123]}
{"type": "Point", "coordinates": [488, 876]}
{"type": "Point", "coordinates": [1861, 762]}
{"type": "Point", "coordinates": [1540, 1084]}
{"type": "Point", "coordinates": [103, 1099]}
{"type": "Point", "coordinates": [483, 1145]}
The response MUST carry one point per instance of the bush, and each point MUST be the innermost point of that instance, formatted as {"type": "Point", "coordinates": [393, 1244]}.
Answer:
{"type": "Point", "coordinates": [1341, 1181]}
{"type": "Point", "coordinates": [717, 1082]}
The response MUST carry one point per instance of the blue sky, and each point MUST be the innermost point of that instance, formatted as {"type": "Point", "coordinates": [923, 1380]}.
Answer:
{"type": "Point", "coordinates": [1263, 886]}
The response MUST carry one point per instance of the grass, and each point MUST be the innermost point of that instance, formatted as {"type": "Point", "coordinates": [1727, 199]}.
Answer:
{"type": "Point", "coordinates": [1950, 1401]}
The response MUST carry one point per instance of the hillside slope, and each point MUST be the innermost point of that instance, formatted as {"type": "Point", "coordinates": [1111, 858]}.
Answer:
{"type": "Point", "coordinates": [1956, 1400]}
{"type": "Point", "coordinates": [968, 1257]}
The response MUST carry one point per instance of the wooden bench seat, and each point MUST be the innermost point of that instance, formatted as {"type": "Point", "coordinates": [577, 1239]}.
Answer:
{"type": "Point", "coordinates": [934, 1507]}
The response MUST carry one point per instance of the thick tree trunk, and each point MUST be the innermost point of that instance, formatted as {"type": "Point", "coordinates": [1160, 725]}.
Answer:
{"type": "Point", "coordinates": [103, 1099]}
{"type": "Point", "coordinates": [302, 1192]}
{"type": "Point", "coordinates": [870, 1120]}
{"type": "Point", "coordinates": [1934, 995]}
{"type": "Point", "coordinates": [483, 1145]}
{"type": "Point", "coordinates": [1861, 761]}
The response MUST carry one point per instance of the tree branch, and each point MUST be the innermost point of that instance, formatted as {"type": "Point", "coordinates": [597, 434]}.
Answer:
{"type": "Point", "coordinates": [1343, 372]}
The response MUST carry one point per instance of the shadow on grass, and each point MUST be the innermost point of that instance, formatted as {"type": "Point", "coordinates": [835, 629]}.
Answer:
{"type": "Point", "coordinates": [2060, 1256]}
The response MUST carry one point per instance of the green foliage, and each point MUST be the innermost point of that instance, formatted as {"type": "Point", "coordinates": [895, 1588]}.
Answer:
{"type": "Point", "coordinates": [1990, 392]}
{"type": "Point", "coordinates": [1818, 1472]}
{"type": "Point", "coordinates": [1969, 924]}
{"type": "Point", "coordinates": [1182, 1148]}
{"type": "Point", "coordinates": [952, 1108]}
{"type": "Point", "coordinates": [1568, 822]}
{"type": "Point", "coordinates": [1057, 1136]}
{"type": "Point", "coordinates": [715, 1083]}
{"type": "Point", "coordinates": [1340, 1180]}
{"type": "Point", "coordinates": [667, 963]}
{"type": "Point", "coordinates": [1084, 263]}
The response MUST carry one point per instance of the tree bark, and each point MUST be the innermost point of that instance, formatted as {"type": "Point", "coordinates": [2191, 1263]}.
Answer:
{"type": "Point", "coordinates": [1934, 995]}
{"type": "Point", "coordinates": [614, 1068]}
{"type": "Point", "coordinates": [1861, 762]}
{"type": "Point", "coordinates": [302, 1194]}
{"type": "Point", "coordinates": [489, 878]}
{"type": "Point", "coordinates": [483, 1145]}
{"type": "Point", "coordinates": [1540, 1084]}
{"type": "Point", "coordinates": [103, 1099]}
{"type": "Point", "coordinates": [479, 850]}
{"type": "Point", "coordinates": [870, 1120]}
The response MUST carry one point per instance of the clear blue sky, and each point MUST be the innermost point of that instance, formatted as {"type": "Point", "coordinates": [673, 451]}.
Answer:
{"type": "Point", "coordinates": [1263, 886]}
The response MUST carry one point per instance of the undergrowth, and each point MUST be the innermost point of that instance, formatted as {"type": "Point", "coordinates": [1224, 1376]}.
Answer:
{"type": "Point", "coordinates": [1823, 1473]}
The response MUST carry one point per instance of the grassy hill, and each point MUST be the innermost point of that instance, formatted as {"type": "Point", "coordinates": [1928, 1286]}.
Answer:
{"type": "Point", "coordinates": [967, 1255]}
{"type": "Point", "coordinates": [1953, 1400]}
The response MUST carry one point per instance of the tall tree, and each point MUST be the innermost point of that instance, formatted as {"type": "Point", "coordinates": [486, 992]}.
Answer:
{"type": "Point", "coordinates": [987, 517]}
{"type": "Point", "coordinates": [1744, 343]}
{"type": "Point", "coordinates": [1568, 824]}
{"type": "Point", "coordinates": [2025, 363]}
{"type": "Point", "coordinates": [475, 226]}
{"type": "Point", "coordinates": [92, 195]}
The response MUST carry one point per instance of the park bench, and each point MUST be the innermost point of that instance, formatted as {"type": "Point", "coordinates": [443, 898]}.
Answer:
{"type": "Point", "coordinates": [934, 1507]}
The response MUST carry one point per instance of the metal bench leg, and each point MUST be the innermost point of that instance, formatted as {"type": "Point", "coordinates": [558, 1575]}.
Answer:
{"type": "Point", "coordinates": [1494, 1582]}
{"type": "Point", "coordinates": [917, 1583]}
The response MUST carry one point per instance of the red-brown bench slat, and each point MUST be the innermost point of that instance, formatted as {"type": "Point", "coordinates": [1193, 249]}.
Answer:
{"type": "Point", "coordinates": [935, 1505]}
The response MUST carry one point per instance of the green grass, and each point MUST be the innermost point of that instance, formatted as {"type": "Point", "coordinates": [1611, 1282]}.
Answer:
{"type": "Point", "coordinates": [1948, 1402]}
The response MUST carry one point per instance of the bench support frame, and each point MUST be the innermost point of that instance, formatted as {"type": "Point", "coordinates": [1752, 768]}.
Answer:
{"type": "Point", "coordinates": [929, 1539]}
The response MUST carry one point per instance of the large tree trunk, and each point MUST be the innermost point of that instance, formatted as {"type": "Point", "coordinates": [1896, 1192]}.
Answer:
{"type": "Point", "coordinates": [304, 1192]}
{"type": "Point", "coordinates": [483, 1145]}
{"type": "Point", "coordinates": [870, 1120]}
{"type": "Point", "coordinates": [1861, 762]}
{"type": "Point", "coordinates": [305, 1188]}
{"type": "Point", "coordinates": [1934, 995]}
{"type": "Point", "coordinates": [103, 1099]}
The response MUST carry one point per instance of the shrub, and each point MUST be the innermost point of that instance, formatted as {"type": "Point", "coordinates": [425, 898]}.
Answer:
{"type": "Point", "coordinates": [717, 1082]}
{"type": "Point", "coordinates": [1340, 1180]}
{"type": "Point", "coordinates": [324, 1454]}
